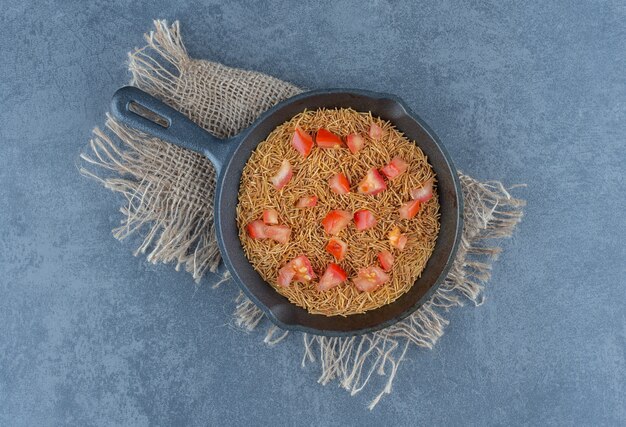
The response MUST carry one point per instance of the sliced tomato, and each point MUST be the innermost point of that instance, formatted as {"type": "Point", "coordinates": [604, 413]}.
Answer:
{"type": "Point", "coordinates": [256, 229]}
{"type": "Point", "coordinates": [302, 142]}
{"type": "Point", "coordinates": [279, 233]}
{"type": "Point", "coordinates": [372, 183]}
{"type": "Point", "coordinates": [364, 219]}
{"type": "Point", "coordinates": [370, 279]}
{"type": "Point", "coordinates": [298, 269]}
{"type": "Point", "coordinates": [286, 275]}
{"type": "Point", "coordinates": [339, 184]}
{"type": "Point", "coordinates": [423, 194]}
{"type": "Point", "coordinates": [335, 221]}
{"type": "Point", "coordinates": [409, 209]}
{"type": "Point", "coordinates": [397, 239]}
{"type": "Point", "coordinates": [270, 216]}
{"type": "Point", "coordinates": [376, 132]}
{"type": "Point", "coordinates": [303, 269]}
{"type": "Point", "coordinates": [327, 139]}
{"type": "Point", "coordinates": [283, 175]}
{"type": "Point", "coordinates": [333, 276]}
{"type": "Point", "coordinates": [395, 168]}
{"type": "Point", "coordinates": [337, 248]}
{"type": "Point", "coordinates": [385, 259]}
{"type": "Point", "coordinates": [307, 202]}
{"type": "Point", "coordinates": [355, 142]}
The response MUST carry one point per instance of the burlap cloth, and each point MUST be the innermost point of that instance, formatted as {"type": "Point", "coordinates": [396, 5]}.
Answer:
{"type": "Point", "coordinates": [168, 195]}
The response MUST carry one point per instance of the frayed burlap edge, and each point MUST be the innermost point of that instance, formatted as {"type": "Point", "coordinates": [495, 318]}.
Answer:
{"type": "Point", "coordinates": [490, 213]}
{"type": "Point", "coordinates": [175, 231]}
{"type": "Point", "coordinates": [169, 194]}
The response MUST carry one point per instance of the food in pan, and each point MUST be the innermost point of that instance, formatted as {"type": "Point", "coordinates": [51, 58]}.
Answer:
{"type": "Point", "coordinates": [338, 211]}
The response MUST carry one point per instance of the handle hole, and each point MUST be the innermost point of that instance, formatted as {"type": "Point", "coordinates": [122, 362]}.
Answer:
{"type": "Point", "coordinates": [146, 113]}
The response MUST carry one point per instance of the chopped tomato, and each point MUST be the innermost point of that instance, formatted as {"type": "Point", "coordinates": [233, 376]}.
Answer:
{"type": "Point", "coordinates": [283, 175]}
{"type": "Point", "coordinates": [364, 219]}
{"type": "Point", "coordinates": [270, 216]}
{"type": "Point", "coordinates": [286, 275]}
{"type": "Point", "coordinates": [423, 194]}
{"type": "Point", "coordinates": [336, 221]}
{"type": "Point", "coordinates": [333, 276]}
{"type": "Point", "coordinates": [397, 239]}
{"type": "Point", "coordinates": [327, 139]}
{"type": "Point", "coordinates": [339, 184]}
{"type": "Point", "coordinates": [385, 259]}
{"type": "Point", "coordinates": [337, 248]}
{"type": "Point", "coordinates": [372, 183]}
{"type": "Point", "coordinates": [376, 132]}
{"type": "Point", "coordinates": [298, 269]}
{"type": "Point", "coordinates": [256, 229]}
{"type": "Point", "coordinates": [355, 142]}
{"type": "Point", "coordinates": [302, 142]}
{"type": "Point", "coordinates": [302, 266]}
{"type": "Point", "coordinates": [370, 279]}
{"type": "Point", "coordinates": [409, 209]}
{"type": "Point", "coordinates": [395, 168]}
{"type": "Point", "coordinates": [279, 233]}
{"type": "Point", "coordinates": [307, 202]}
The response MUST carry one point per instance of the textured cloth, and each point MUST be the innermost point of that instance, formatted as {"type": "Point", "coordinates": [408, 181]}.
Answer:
{"type": "Point", "coordinates": [169, 199]}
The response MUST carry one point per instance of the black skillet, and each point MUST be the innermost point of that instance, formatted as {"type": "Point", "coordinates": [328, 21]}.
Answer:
{"type": "Point", "coordinates": [141, 111]}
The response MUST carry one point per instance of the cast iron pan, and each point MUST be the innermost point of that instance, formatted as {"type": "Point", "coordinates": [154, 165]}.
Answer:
{"type": "Point", "coordinates": [141, 111]}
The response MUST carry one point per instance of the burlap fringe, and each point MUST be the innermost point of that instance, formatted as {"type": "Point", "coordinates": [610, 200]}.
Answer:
{"type": "Point", "coordinates": [175, 232]}
{"type": "Point", "coordinates": [490, 212]}
{"type": "Point", "coordinates": [158, 180]}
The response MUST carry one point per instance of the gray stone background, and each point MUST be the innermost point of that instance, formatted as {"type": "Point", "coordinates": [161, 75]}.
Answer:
{"type": "Point", "coordinates": [525, 92]}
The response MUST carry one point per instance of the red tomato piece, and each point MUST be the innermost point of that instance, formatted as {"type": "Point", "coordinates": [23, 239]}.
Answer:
{"type": "Point", "coordinates": [355, 142]}
{"type": "Point", "coordinates": [337, 248]}
{"type": "Point", "coordinates": [370, 279]}
{"type": "Point", "coordinates": [395, 168]}
{"type": "Point", "coordinates": [423, 194]}
{"type": "Point", "coordinates": [256, 229]}
{"type": "Point", "coordinates": [283, 175]}
{"type": "Point", "coordinates": [409, 209]}
{"type": "Point", "coordinates": [307, 202]}
{"type": "Point", "coordinates": [298, 269]}
{"type": "Point", "coordinates": [270, 216]}
{"type": "Point", "coordinates": [304, 271]}
{"type": "Point", "coordinates": [397, 239]}
{"type": "Point", "coordinates": [385, 259]}
{"type": "Point", "coordinates": [302, 142]}
{"type": "Point", "coordinates": [286, 275]}
{"type": "Point", "coordinates": [335, 221]}
{"type": "Point", "coordinates": [364, 219]}
{"type": "Point", "coordinates": [327, 139]}
{"type": "Point", "coordinates": [376, 132]}
{"type": "Point", "coordinates": [333, 276]}
{"type": "Point", "coordinates": [279, 233]}
{"type": "Point", "coordinates": [339, 184]}
{"type": "Point", "coordinates": [372, 183]}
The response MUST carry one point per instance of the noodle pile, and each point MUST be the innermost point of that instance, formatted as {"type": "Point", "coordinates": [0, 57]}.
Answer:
{"type": "Point", "coordinates": [310, 177]}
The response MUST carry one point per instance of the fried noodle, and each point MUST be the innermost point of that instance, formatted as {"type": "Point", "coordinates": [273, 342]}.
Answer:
{"type": "Point", "coordinates": [310, 177]}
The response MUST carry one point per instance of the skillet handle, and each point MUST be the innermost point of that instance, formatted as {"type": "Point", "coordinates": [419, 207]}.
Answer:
{"type": "Point", "coordinates": [137, 109]}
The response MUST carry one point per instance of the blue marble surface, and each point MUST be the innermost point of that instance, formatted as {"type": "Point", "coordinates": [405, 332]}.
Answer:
{"type": "Point", "coordinates": [525, 92]}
